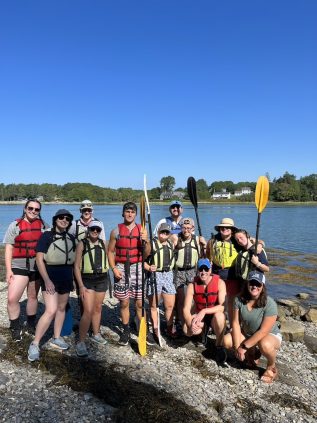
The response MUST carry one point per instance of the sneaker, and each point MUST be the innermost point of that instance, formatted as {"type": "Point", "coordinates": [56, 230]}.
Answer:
{"type": "Point", "coordinates": [59, 343]}
{"type": "Point", "coordinates": [124, 338]}
{"type": "Point", "coordinates": [16, 334]}
{"type": "Point", "coordinates": [150, 338]}
{"type": "Point", "coordinates": [33, 352]}
{"type": "Point", "coordinates": [221, 355]}
{"type": "Point", "coordinates": [99, 339]}
{"type": "Point", "coordinates": [29, 329]}
{"type": "Point", "coordinates": [81, 349]}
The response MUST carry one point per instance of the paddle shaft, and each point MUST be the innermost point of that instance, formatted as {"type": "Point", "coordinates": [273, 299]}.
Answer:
{"type": "Point", "coordinates": [257, 233]}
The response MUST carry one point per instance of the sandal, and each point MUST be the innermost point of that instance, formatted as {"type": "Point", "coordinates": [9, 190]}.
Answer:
{"type": "Point", "coordinates": [269, 375]}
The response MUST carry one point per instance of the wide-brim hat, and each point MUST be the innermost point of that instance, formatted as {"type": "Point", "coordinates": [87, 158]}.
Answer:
{"type": "Point", "coordinates": [226, 222]}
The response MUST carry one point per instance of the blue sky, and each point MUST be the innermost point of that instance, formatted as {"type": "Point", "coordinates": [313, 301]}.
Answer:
{"type": "Point", "coordinates": [105, 91]}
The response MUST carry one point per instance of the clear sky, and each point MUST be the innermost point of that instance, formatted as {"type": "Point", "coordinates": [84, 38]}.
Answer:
{"type": "Point", "coordinates": [104, 91]}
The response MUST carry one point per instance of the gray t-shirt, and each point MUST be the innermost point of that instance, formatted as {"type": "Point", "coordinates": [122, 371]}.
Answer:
{"type": "Point", "coordinates": [252, 320]}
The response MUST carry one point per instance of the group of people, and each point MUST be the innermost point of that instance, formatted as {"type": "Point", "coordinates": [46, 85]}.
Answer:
{"type": "Point", "coordinates": [199, 282]}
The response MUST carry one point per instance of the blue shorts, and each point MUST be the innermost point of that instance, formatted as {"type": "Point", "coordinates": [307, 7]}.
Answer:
{"type": "Point", "coordinates": [164, 282]}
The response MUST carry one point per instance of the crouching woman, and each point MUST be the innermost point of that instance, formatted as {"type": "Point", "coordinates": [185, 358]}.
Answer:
{"type": "Point", "coordinates": [54, 258]}
{"type": "Point", "coordinates": [254, 327]}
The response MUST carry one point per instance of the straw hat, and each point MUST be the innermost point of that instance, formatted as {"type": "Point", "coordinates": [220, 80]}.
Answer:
{"type": "Point", "coordinates": [227, 223]}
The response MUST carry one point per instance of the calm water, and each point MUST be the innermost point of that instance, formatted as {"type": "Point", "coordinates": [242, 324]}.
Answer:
{"type": "Point", "coordinates": [288, 228]}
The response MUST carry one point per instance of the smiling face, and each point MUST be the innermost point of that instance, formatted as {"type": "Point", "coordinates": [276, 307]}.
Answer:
{"type": "Point", "coordinates": [225, 232]}
{"type": "Point", "coordinates": [32, 210]}
{"type": "Point", "coordinates": [63, 222]}
{"type": "Point", "coordinates": [176, 211]}
{"type": "Point", "coordinates": [255, 288]}
{"type": "Point", "coordinates": [241, 239]}
{"type": "Point", "coordinates": [204, 274]}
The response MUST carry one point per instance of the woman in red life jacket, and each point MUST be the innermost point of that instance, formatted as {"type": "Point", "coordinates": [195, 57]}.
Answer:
{"type": "Point", "coordinates": [208, 292]}
{"type": "Point", "coordinates": [20, 241]}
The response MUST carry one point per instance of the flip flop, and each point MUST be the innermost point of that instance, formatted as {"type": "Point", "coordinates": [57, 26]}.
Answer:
{"type": "Point", "coordinates": [269, 375]}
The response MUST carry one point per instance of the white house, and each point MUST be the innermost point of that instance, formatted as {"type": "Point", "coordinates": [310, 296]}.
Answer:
{"type": "Point", "coordinates": [243, 191]}
{"type": "Point", "coordinates": [221, 195]}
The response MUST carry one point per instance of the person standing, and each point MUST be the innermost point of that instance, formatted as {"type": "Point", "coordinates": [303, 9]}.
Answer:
{"type": "Point", "coordinates": [128, 242]}
{"type": "Point", "coordinates": [91, 271]}
{"type": "Point", "coordinates": [55, 255]}
{"type": "Point", "coordinates": [20, 241]}
{"type": "Point", "coordinates": [188, 249]}
{"type": "Point", "coordinates": [247, 260]}
{"type": "Point", "coordinates": [222, 251]}
{"type": "Point", "coordinates": [161, 266]}
{"type": "Point", "coordinates": [176, 210]}
{"type": "Point", "coordinates": [79, 227]}
{"type": "Point", "coordinates": [208, 292]}
{"type": "Point", "coordinates": [254, 327]}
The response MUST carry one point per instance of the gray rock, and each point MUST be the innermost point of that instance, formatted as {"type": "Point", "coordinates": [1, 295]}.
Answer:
{"type": "Point", "coordinates": [292, 331]}
{"type": "Point", "coordinates": [302, 296]}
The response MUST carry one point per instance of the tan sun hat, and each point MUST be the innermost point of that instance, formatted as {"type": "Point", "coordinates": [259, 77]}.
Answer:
{"type": "Point", "coordinates": [226, 222]}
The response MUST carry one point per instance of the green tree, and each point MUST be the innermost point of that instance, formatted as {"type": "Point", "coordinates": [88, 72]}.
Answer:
{"type": "Point", "coordinates": [167, 183]}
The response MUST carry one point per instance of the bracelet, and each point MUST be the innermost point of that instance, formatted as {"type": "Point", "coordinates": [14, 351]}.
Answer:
{"type": "Point", "coordinates": [114, 267]}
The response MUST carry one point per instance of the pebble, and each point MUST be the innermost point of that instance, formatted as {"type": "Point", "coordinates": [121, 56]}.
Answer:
{"type": "Point", "coordinates": [183, 373]}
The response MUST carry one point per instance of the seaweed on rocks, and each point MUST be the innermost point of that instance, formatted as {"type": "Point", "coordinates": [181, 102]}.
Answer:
{"type": "Point", "coordinates": [136, 401]}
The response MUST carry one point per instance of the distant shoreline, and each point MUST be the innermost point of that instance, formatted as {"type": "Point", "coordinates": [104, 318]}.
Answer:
{"type": "Point", "coordinates": [166, 203]}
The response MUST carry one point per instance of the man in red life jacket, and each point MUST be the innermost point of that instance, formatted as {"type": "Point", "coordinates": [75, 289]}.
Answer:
{"type": "Point", "coordinates": [126, 244]}
{"type": "Point", "coordinates": [208, 292]}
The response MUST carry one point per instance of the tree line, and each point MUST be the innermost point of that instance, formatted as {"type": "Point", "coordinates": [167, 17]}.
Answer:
{"type": "Point", "coordinates": [285, 188]}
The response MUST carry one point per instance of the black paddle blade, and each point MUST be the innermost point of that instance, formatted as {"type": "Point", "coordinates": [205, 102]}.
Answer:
{"type": "Point", "coordinates": [191, 189]}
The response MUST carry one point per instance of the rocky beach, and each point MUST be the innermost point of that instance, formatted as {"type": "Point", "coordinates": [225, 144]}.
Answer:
{"type": "Point", "coordinates": [178, 382]}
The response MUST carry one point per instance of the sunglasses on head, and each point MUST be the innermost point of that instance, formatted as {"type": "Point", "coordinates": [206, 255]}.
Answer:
{"type": "Point", "coordinates": [68, 218]}
{"type": "Point", "coordinates": [203, 268]}
{"type": "Point", "coordinates": [86, 210]}
{"type": "Point", "coordinates": [36, 209]}
{"type": "Point", "coordinates": [95, 229]}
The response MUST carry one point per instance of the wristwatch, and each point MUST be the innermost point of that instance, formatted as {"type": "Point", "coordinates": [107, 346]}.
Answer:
{"type": "Point", "coordinates": [243, 346]}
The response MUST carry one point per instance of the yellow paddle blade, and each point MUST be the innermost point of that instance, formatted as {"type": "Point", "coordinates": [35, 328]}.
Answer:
{"type": "Point", "coordinates": [262, 193]}
{"type": "Point", "coordinates": [142, 337]}
{"type": "Point", "coordinates": [142, 211]}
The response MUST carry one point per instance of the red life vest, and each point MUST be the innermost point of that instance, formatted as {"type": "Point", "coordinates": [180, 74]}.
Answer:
{"type": "Point", "coordinates": [128, 244]}
{"type": "Point", "coordinates": [206, 298]}
{"type": "Point", "coordinates": [25, 242]}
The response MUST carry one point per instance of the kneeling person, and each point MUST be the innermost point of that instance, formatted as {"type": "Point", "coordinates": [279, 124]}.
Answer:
{"type": "Point", "coordinates": [208, 292]}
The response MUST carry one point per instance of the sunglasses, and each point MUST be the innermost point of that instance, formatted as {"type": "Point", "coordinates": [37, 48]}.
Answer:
{"type": "Point", "coordinates": [36, 209]}
{"type": "Point", "coordinates": [164, 232]}
{"type": "Point", "coordinates": [86, 210]}
{"type": "Point", "coordinates": [255, 283]}
{"type": "Point", "coordinates": [175, 207]}
{"type": "Point", "coordinates": [95, 229]}
{"type": "Point", "coordinates": [68, 218]}
{"type": "Point", "coordinates": [203, 269]}
{"type": "Point", "coordinates": [223, 228]}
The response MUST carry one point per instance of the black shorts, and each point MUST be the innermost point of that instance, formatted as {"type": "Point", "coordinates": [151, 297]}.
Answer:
{"type": "Point", "coordinates": [62, 278]}
{"type": "Point", "coordinates": [33, 275]}
{"type": "Point", "coordinates": [98, 283]}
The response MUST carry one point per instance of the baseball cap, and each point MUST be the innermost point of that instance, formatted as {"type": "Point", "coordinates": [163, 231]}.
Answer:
{"type": "Point", "coordinates": [86, 204]}
{"type": "Point", "coordinates": [95, 224]}
{"type": "Point", "coordinates": [203, 262]}
{"type": "Point", "coordinates": [164, 227]}
{"type": "Point", "coordinates": [256, 276]}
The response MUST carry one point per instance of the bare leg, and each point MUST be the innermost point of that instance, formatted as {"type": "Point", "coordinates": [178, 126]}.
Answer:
{"type": "Point", "coordinates": [218, 324]}
{"type": "Point", "coordinates": [15, 292]}
{"type": "Point", "coordinates": [169, 303]}
{"type": "Point", "coordinates": [60, 314]}
{"type": "Point", "coordinates": [85, 321]}
{"type": "Point", "coordinates": [47, 317]}
{"type": "Point", "coordinates": [96, 314]}
{"type": "Point", "coordinates": [32, 292]}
